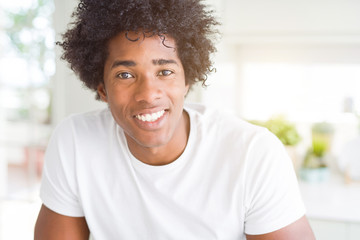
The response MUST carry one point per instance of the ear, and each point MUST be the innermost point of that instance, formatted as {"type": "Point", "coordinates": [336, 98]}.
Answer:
{"type": "Point", "coordinates": [102, 92]}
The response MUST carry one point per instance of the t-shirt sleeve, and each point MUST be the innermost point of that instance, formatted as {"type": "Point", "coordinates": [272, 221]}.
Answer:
{"type": "Point", "coordinates": [272, 196]}
{"type": "Point", "coordinates": [59, 189]}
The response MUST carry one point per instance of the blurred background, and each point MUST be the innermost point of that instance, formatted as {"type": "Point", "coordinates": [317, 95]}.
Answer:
{"type": "Point", "coordinates": [289, 65]}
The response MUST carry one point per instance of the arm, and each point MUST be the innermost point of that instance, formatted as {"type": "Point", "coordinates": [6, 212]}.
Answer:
{"type": "Point", "coordinates": [53, 226]}
{"type": "Point", "coordinates": [299, 230]}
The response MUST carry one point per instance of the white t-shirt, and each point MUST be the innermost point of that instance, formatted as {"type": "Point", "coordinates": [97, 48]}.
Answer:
{"type": "Point", "coordinates": [232, 178]}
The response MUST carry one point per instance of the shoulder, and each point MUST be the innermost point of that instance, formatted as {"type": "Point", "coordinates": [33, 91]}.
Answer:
{"type": "Point", "coordinates": [226, 125]}
{"type": "Point", "coordinates": [256, 146]}
{"type": "Point", "coordinates": [95, 120]}
{"type": "Point", "coordinates": [82, 128]}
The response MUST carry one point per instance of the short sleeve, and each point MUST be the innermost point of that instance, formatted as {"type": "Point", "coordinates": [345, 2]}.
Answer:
{"type": "Point", "coordinates": [59, 189]}
{"type": "Point", "coordinates": [272, 196]}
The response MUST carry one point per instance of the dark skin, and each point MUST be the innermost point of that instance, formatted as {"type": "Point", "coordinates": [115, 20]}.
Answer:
{"type": "Point", "coordinates": [53, 226]}
{"type": "Point", "coordinates": [144, 78]}
{"type": "Point", "coordinates": [299, 230]}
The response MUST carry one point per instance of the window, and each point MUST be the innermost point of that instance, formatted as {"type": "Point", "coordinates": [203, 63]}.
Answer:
{"type": "Point", "coordinates": [26, 65]}
{"type": "Point", "coordinates": [307, 91]}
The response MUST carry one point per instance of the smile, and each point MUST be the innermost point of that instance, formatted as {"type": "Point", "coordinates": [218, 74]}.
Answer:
{"type": "Point", "coordinates": [150, 117]}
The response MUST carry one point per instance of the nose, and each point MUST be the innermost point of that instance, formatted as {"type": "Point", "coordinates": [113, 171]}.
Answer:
{"type": "Point", "coordinates": [148, 89]}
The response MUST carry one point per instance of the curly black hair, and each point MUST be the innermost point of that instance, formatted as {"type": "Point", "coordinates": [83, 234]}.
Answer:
{"type": "Point", "coordinates": [188, 22]}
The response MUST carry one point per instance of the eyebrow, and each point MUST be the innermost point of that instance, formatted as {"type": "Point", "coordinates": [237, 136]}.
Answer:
{"type": "Point", "coordinates": [125, 63]}
{"type": "Point", "coordinates": [163, 61]}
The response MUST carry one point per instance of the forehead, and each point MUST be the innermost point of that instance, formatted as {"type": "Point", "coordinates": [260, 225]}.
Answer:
{"type": "Point", "coordinates": [133, 44]}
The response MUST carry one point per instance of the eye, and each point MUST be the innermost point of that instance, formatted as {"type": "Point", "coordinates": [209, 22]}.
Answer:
{"type": "Point", "coordinates": [165, 73]}
{"type": "Point", "coordinates": [124, 75]}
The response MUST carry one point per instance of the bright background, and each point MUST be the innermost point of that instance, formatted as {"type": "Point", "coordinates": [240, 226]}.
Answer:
{"type": "Point", "coordinates": [290, 58]}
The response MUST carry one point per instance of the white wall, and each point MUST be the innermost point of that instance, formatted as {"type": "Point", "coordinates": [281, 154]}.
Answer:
{"type": "Point", "coordinates": [292, 18]}
{"type": "Point", "coordinates": [283, 30]}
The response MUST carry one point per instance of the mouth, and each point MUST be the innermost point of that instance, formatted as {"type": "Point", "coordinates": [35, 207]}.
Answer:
{"type": "Point", "coordinates": [150, 117]}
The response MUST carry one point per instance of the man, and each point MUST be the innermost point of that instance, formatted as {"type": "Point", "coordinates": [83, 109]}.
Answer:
{"type": "Point", "coordinates": [148, 167]}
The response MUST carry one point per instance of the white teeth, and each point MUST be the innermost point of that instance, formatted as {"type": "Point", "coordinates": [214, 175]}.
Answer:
{"type": "Point", "coordinates": [150, 117]}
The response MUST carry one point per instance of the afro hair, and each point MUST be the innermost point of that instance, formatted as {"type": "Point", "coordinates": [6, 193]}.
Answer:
{"type": "Point", "coordinates": [188, 22]}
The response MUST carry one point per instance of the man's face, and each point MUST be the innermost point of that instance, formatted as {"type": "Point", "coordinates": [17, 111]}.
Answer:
{"type": "Point", "coordinates": [145, 89]}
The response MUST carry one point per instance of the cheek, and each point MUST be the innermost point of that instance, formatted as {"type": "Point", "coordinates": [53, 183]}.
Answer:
{"type": "Point", "coordinates": [118, 104]}
{"type": "Point", "coordinates": [176, 94]}
{"type": "Point", "coordinates": [178, 88]}
{"type": "Point", "coordinates": [118, 96]}
{"type": "Point", "coordinates": [120, 115]}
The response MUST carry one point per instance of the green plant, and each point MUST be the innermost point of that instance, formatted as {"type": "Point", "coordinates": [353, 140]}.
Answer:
{"type": "Point", "coordinates": [319, 148]}
{"type": "Point", "coordinates": [321, 143]}
{"type": "Point", "coordinates": [283, 129]}
{"type": "Point", "coordinates": [321, 138]}
{"type": "Point", "coordinates": [313, 160]}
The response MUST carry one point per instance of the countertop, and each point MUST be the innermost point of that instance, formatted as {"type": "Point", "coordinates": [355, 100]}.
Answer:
{"type": "Point", "coordinates": [332, 200]}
